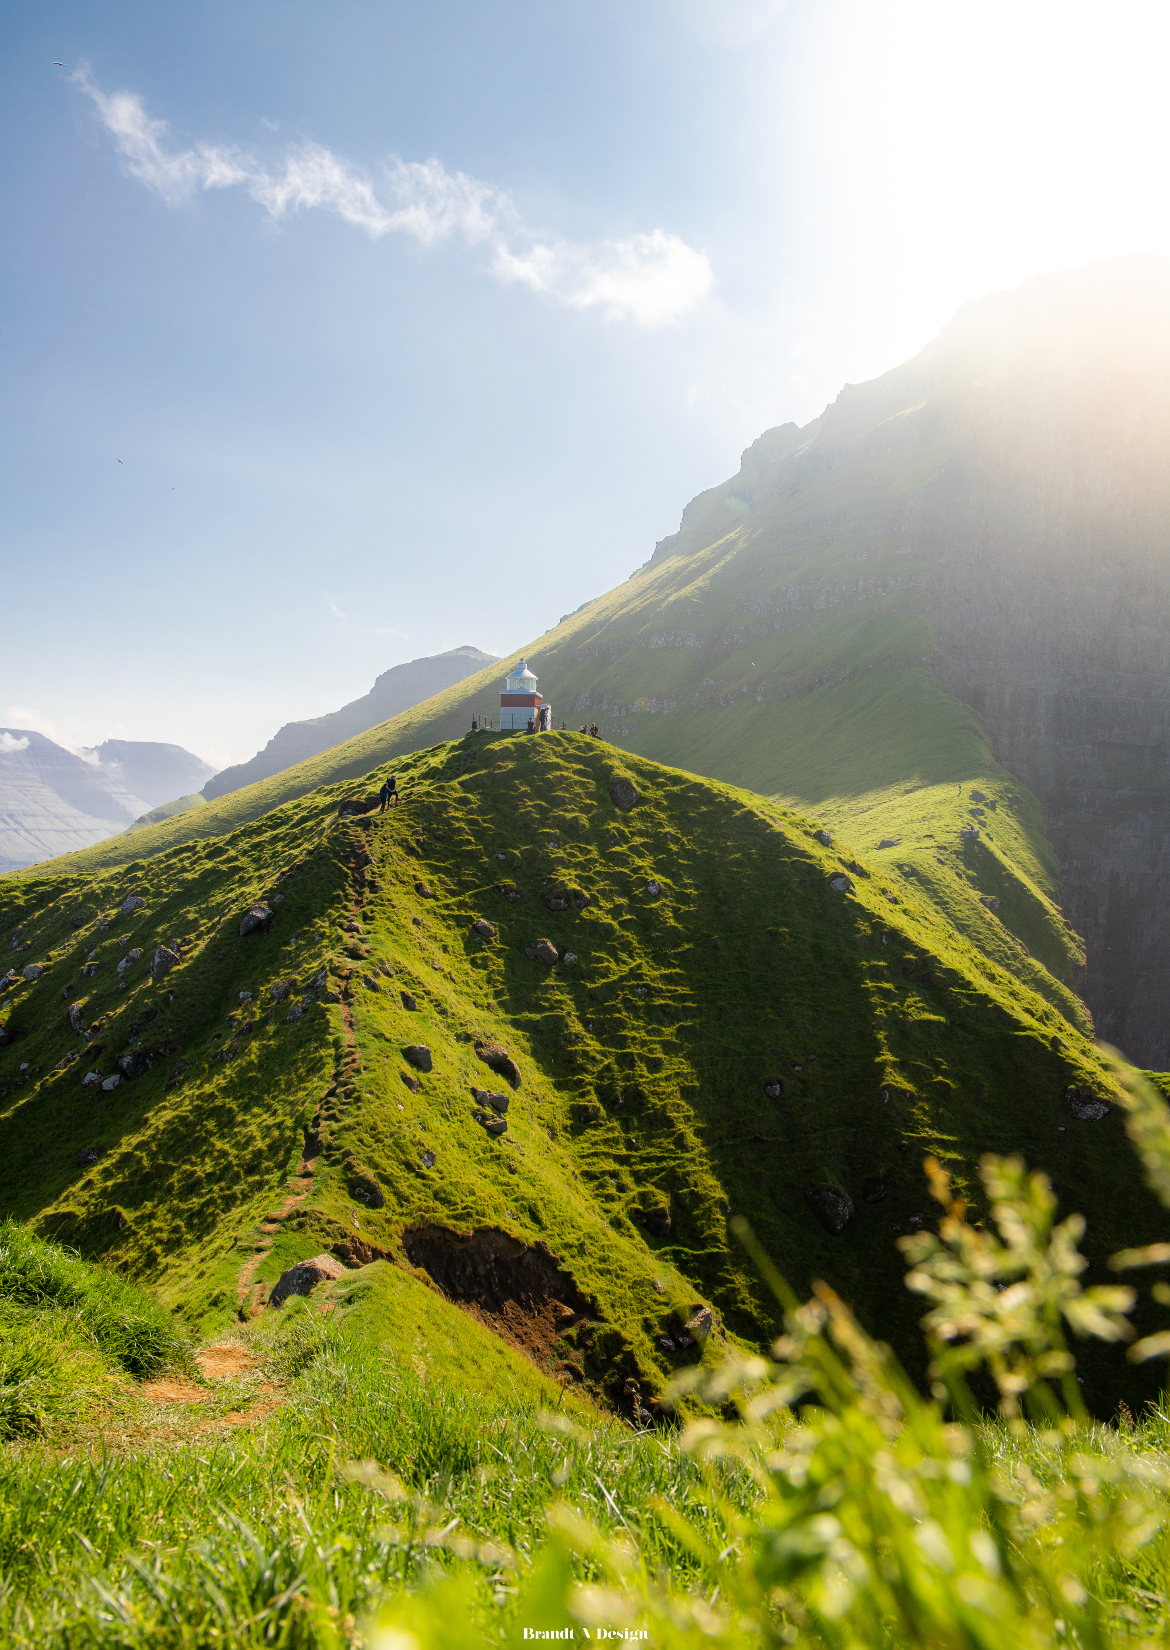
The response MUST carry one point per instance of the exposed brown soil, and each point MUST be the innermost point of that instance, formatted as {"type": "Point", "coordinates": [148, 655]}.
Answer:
{"type": "Point", "coordinates": [174, 1392]}
{"type": "Point", "coordinates": [218, 1361]}
{"type": "Point", "coordinates": [521, 1293]}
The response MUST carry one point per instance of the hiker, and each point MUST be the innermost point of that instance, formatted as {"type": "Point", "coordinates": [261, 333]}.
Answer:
{"type": "Point", "coordinates": [545, 719]}
{"type": "Point", "coordinates": [388, 794]}
{"type": "Point", "coordinates": [584, 728]}
{"type": "Point", "coordinates": [475, 724]}
{"type": "Point", "coordinates": [531, 725]}
{"type": "Point", "coordinates": [593, 730]}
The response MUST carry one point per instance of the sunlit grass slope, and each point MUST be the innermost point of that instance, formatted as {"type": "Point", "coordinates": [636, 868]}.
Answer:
{"type": "Point", "coordinates": [644, 1064]}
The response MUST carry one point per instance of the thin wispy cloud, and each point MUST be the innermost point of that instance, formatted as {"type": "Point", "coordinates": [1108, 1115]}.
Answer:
{"type": "Point", "coordinates": [651, 279]}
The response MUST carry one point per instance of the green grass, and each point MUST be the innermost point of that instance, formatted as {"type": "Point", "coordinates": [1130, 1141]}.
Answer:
{"type": "Point", "coordinates": [175, 1546]}
{"type": "Point", "coordinates": [69, 1335]}
{"type": "Point", "coordinates": [680, 1008]}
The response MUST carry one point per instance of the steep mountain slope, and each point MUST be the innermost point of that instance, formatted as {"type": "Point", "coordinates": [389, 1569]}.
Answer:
{"type": "Point", "coordinates": [396, 690]}
{"type": "Point", "coordinates": [954, 580]}
{"type": "Point", "coordinates": [53, 801]}
{"type": "Point", "coordinates": [737, 1019]}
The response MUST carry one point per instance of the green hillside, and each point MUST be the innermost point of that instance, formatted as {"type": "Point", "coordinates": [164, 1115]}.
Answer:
{"type": "Point", "coordinates": [735, 1034]}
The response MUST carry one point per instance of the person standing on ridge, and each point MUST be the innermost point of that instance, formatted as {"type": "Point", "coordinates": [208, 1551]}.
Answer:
{"type": "Point", "coordinates": [388, 793]}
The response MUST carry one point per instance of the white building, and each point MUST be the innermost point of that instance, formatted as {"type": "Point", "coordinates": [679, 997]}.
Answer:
{"type": "Point", "coordinates": [520, 702]}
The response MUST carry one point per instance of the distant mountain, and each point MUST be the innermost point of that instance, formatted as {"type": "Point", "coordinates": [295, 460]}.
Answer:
{"type": "Point", "coordinates": [395, 690]}
{"type": "Point", "coordinates": [53, 801]}
{"type": "Point", "coordinates": [153, 771]}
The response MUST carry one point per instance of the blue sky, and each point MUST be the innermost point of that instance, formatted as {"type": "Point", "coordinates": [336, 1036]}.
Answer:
{"type": "Point", "coordinates": [418, 325]}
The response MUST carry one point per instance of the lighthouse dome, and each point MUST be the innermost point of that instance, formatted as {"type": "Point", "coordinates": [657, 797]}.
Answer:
{"type": "Point", "coordinates": [521, 680]}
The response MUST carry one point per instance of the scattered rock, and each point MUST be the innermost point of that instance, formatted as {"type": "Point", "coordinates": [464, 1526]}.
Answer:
{"type": "Point", "coordinates": [423, 891]}
{"type": "Point", "coordinates": [1086, 1106]}
{"type": "Point", "coordinates": [666, 1343]}
{"type": "Point", "coordinates": [495, 1125]}
{"type": "Point", "coordinates": [990, 901]}
{"type": "Point", "coordinates": [363, 1188]}
{"type": "Point", "coordinates": [653, 889]}
{"type": "Point", "coordinates": [76, 1021]}
{"type": "Point", "coordinates": [408, 1002]}
{"type": "Point", "coordinates": [543, 951]}
{"type": "Point", "coordinates": [303, 1278]}
{"type": "Point", "coordinates": [580, 900]}
{"type": "Point", "coordinates": [111, 1082]}
{"type": "Point", "coordinates": [243, 996]}
{"type": "Point", "coordinates": [134, 902]}
{"type": "Point", "coordinates": [255, 920]}
{"type": "Point", "coordinates": [163, 961]}
{"type": "Point", "coordinates": [512, 895]}
{"type": "Point", "coordinates": [138, 1062]}
{"type": "Point", "coordinates": [498, 1102]}
{"type": "Point", "coordinates": [970, 831]}
{"type": "Point", "coordinates": [832, 1207]}
{"type": "Point", "coordinates": [88, 1157]}
{"type": "Point", "coordinates": [419, 1056]}
{"type": "Point", "coordinates": [356, 805]}
{"type": "Point", "coordinates": [412, 1083]}
{"type": "Point", "coordinates": [557, 902]}
{"type": "Point", "coordinates": [280, 990]}
{"type": "Point", "coordinates": [873, 1188]}
{"type": "Point", "coordinates": [624, 793]}
{"type": "Point", "coordinates": [825, 838]}
{"type": "Point", "coordinates": [370, 985]}
{"type": "Point", "coordinates": [701, 1323]}
{"type": "Point", "coordinates": [32, 972]}
{"type": "Point", "coordinates": [500, 1061]}
{"type": "Point", "coordinates": [774, 1088]}
{"type": "Point", "coordinates": [570, 959]}
{"type": "Point", "coordinates": [485, 929]}
{"type": "Point", "coordinates": [978, 796]}
{"type": "Point", "coordinates": [90, 1078]}
{"type": "Point", "coordinates": [841, 884]}
{"type": "Point", "coordinates": [427, 1159]}
{"type": "Point", "coordinates": [890, 842]}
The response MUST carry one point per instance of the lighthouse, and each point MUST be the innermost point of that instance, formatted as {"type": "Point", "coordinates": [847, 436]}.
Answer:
{"type": "Point", "coordinates": [520, 701]}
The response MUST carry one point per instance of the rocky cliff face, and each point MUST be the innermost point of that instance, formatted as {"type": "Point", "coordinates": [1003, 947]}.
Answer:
{"type": "Point", "coordinates": [1048, 538]}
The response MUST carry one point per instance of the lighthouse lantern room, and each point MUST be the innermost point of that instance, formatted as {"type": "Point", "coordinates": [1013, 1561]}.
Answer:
{"type": "Point", "coordinates": [520, 702]}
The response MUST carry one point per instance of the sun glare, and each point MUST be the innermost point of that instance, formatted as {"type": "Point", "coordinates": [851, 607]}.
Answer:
{"type": "Point", "coordinates": [956, 149]}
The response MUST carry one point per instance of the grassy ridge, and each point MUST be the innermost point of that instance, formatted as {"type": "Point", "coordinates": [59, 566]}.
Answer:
{"type": "Point", "coordinates": [644, 1064]}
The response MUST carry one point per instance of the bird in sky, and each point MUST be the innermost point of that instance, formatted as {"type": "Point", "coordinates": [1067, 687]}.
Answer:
{"type": "Point", "coordinates": [120, 461]}
{"type": "Point", "coordinates": [58, 65]}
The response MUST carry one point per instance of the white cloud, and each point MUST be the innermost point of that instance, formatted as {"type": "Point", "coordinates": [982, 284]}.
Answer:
{"type": "Point", "coordinates": [650, 279]}
{"type": "Point", "coordinates": [23, 716]}
{"type": "Point", "coordinates": [9, 744]}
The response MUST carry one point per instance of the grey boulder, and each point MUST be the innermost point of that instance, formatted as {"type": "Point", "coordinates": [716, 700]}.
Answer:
{"type": "Point", "coordinates": [303, 1278]}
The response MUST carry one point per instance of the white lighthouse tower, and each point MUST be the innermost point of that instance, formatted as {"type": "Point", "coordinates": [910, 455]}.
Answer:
{"type": "Point", "coordinates": [519, 701]}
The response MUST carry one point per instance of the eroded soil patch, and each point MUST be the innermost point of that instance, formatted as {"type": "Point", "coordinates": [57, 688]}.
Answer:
{"type": "Point", "coordinates": [520, 1291]}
